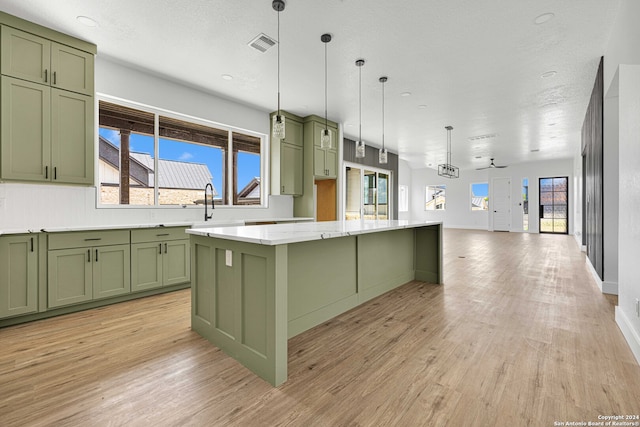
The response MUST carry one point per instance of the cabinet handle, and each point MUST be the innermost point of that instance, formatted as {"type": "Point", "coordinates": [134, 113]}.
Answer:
{"type": "Point", "coordinates": [55, 172]}
{"type": "Point", "coordinates": [163, 234]}
{"type": "Point", "coordinates": [93, 239]}
{"type": "Point", "coordinates": [32, 244]}
{"type": "Point", "coordinates": [54, 78]}
{"type": "Point", "coordinates": [165, 248]}
{"type": "Point", "coordinates": [283, 188]}
{"type": "Point", "coordinates": [46, 75]}
{"type": "Point", "coordinates": [88, 255]}
{"type": "Point", "coordinates": [46, 172]}
{"type": "Point", "coordinates": [160, 248]}
{"type": "Point", "coordinates": [96, 255]}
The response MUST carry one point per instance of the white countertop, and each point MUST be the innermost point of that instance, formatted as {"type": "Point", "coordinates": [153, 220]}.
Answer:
{"type": "Point", "coordinates": [196, 225]}
{"type": "Point", "coordinates": [278, 234]}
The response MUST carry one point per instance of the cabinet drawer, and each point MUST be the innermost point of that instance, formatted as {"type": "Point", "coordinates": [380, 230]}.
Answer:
{"type": "Point", "coordinates": [84, 239]}
{"type": "Point", "coordinates": [157, 234]}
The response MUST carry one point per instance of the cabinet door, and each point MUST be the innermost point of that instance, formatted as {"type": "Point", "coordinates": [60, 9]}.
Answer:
{"type": "Point", "coordinates": [18, 275]}
{"type": "Point", "coordinates": [291, 169]}
{"type": "Point", "coordinates": [69, 276]}
{"type": "Point", "coordinates": [176, 265]}
{"type": "Point", "coordinates": [319, 167]}
{"type": "Point", "coordinates": [146, 266]}
{"type": "Point", "coordinates": [25, 56]}
{"type": "Point", "coordinates": [111, 271]}
{"type": "Point", "coordinates": [331, 163]}
{"type": "Point", "coordinates": [71, 137]}
{"type": "Point", "coordinates": [293, 132]}
{"type": "Point", "coordinates": [72, 69]}
{"type": "Point", "coordinates": [26, 128]}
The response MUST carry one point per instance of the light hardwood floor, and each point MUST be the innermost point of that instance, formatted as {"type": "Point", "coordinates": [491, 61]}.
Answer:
{"type": "Point", "coordinates": [519, 335]}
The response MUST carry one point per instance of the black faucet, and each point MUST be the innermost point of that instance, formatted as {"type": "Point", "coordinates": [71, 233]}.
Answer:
{"type": "Point", "coordinates": [213, 206]}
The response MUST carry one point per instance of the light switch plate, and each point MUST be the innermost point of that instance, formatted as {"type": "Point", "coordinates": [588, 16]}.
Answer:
{"type": "Point", "coordinates": [228, 258]}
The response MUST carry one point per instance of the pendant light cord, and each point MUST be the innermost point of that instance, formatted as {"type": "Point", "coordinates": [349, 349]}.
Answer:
{"type": "Point", "coordinates": [383, 115]}
{"type": "Point", "coordinates": [360, 104]}
{"type": "Point", "coordinates": [278, 63]}
{"type": "Point", "coordinates": [326, 127]}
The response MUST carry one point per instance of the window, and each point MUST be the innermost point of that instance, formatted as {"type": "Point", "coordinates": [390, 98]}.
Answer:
{"type": "Point", "coordinates": [403, 198]}
{"type": "Point", "coordinates": [525, 204]}
{"type": "Point", "coordinates": [480, 196]}
{"type": "Point", "coordinates": [367, 193]}
{"type": "Point", "coordinates": [435, 197]}
{"type": "Point", "coordinates": [135, 170]}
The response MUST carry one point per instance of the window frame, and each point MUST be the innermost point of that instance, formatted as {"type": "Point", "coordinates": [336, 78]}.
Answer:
{"type": "Point", "coordinates": [229, 173]}
{"type": "Point", "coordinates": [426, 194]}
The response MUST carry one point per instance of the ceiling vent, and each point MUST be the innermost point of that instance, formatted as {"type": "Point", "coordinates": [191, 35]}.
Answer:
{"type": "Point", "coordinates": [262, 42]}
{"type": "Point", "coordinates": [481, 137]}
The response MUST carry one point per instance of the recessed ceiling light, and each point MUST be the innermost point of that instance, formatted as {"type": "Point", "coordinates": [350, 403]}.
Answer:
{"type": "Point", "coordinates": [227, 77]}
{"type": "Point", "coordinates": [552, 124]}
{"type": "Point", "coordinates": [85, 20]}
{"type": "Point", "coordinates": [545, 17]}
{"type": "Point", "coordinates": [481, 137]}
{"type": "Point", "coordinates": [535, 150]}
{"type": "Point", "coordinates": [478, 157]}
{"type": "Point", "coordinates": [422, 107]}
{"type": "Point", "coordinates": [405, 94]}
{"type": "Point", "coordinates": [548, 74]}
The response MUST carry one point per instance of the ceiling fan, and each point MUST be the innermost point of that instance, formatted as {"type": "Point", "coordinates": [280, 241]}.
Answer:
{"type": "Point", "coordinates": [492, 166]}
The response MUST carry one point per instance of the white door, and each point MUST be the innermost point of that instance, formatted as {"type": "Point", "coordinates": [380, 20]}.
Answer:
{"type": "Point", "coordinates": [501, 204]}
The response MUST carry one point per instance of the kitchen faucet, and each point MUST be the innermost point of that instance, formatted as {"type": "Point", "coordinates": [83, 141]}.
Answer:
{"type": "Point", "coordinates": [213, 206]}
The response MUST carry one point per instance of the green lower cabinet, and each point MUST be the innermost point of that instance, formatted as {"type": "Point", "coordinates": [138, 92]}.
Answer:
{"type": "Point", "coordinates": [18, 275]}
{"type": "Point", "coordinates": [111, 267]}
{"type": "Point", "coordinates": [70, 274]}
{"type": "Point", "coordinates": [83, 274]}
{"type": "Point", "coordinates": [158, 264]}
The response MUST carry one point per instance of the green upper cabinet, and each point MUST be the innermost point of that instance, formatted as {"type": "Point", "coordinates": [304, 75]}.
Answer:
{"type": "Point", "coordinates": [287, 157]}
{"type": "Point", "coordinates": [25, 116]}
{"type": "Point", "coordinates": [72, 69]}
{"type": "Point", "coordinates": [18, 275]}
{"type": "Point", "coordinates": [47, 105]}
{"type": "Point", "coordinates": [29, 57]}
{"type": "Point", "coordinates": [325, 160]}
{"type": "Point", "coordinates": [25, 56]}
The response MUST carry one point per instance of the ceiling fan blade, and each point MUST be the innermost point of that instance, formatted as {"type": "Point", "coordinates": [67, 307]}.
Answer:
{"type": "Point", "coordinates": [500, 167]}
{"type": "Point", "coordinates": [479, 169]}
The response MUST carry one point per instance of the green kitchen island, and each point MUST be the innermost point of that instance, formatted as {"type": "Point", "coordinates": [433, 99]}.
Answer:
{"type": "Point", "coordinates": [254, 287]}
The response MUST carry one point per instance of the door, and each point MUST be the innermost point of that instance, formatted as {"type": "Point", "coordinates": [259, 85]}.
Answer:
{"type": "Point", "coordinates": [383, 196]}
{"type": "Point", "coordinates": [26, 130]}
{"type": "Point", "coordinates": [291, 169]}
{"type": "Point", "coordinates": [353, 202]}
{"type": "Point", "coordinates": [25, 56]}
{"type": "Point", "coordinates": [18, 275]}
{"type": "Point", "coordinates": [111, 271]}
{"type": "Point", "coordinates": [175, 263]}
{"type": "Point", "coordinates": [69, 276]}
{"type": "Point", "coordinates": [554, 205]}
{"type": "Point", "coordinates": [146, 266]}
{"type": "Point", "coordinates": [501, 204]}
{"type": "Point", "coordinates": [71, 129]}
{"type": "Point", "coordinates": [72, 69]}
{"type": "Point", "coordinates": [369, 195]}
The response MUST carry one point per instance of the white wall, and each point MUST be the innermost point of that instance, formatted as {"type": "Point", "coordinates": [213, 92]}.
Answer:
{"type": "Point", "coordinates": [404, 178]}
{"type": "Point", "coordinates": [458, 213]}
{"type": "Point", "coordinates": [610, 193]}
{"type": "Point", "coordinates": [622, 58]}
{"type": "Point", "coordinates": [34, 206]}
{"type": "Point", "coordinates": [629, 205]}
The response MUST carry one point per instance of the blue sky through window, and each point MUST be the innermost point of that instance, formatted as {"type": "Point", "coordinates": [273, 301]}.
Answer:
{"type": "Point", "coordinates": [480, 190]}
{"type": "Point", "coordinates": [248, 163]}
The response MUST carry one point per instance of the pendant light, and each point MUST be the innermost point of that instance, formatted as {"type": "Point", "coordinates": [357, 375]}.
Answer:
{"type": "Point", "coordinates": [447, 170]}
{"type": "Point", "coordinates": [278, 119]}
{"type": "Point", "coordinates": [325, 136]}
{"type": "Point", "coordinates": [382, 154]}
{"type": "Point", "coordinates": [360, 147]}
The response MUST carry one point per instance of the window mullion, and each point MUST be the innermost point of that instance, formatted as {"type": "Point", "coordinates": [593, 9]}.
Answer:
{"type": "Point", "coordinates": [229, 169]}
{"type": "Point", "coordinates": [156, 156]}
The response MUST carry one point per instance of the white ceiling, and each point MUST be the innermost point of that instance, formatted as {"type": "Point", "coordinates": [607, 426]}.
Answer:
{"type": "Point", "coordinates": [472, 64]}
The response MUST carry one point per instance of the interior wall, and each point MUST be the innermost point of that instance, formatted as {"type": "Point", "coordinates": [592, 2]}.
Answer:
{"type": "Point", "coordinates": [610, 193]}
{"type": "Point", "coordinates": [622, 59]}
{"type": "Point", "coordinates": [35, 206]}
{"type": "Point", "coordinates": [404, 178]}
{"type": "Point", "coordinates": [458, 213]}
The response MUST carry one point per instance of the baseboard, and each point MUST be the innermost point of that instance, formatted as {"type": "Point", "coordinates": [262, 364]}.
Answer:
{"type": "Point", "coordinates": [630, 334]}
{"type": "Point", "coordinates": [467, 227]}
{"type": "Point", "coordinates": [596, 278]}
{"type": "Point", "coordinates": [610, 287]}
